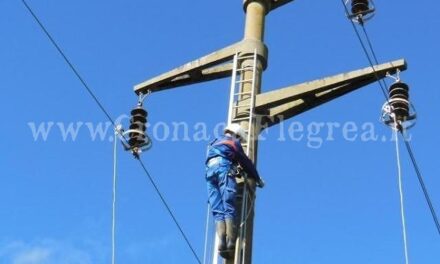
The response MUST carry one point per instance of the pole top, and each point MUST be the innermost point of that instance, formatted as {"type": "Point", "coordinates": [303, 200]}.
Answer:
{"type": "Point", "coordinates": [270, 4]}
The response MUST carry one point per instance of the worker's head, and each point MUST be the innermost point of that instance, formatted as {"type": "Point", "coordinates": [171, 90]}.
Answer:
{"type": "Point", "coordinates": [236, 130]}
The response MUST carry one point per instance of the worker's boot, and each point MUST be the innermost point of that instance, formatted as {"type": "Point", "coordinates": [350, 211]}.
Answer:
{"type": "Point", "coordinates": [230, 234]}
{"type": "Point", "coordinates": [221, 233]}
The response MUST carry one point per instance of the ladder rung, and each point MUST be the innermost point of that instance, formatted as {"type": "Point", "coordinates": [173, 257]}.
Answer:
{"type": "Point", "coordinates": [246, 57]}
{"type": "Point", "coordinates": [240, 106]}
{"type": "Point", "coordinates": [243, 93]}
{"type": "Point", "coordinates": [245, 68]}
{"type": "Point", "coordinates": [246, 112]}
{"type": "Point", "coordinates": [241, 118]}
{"type": "Point", "coordinates": [245, 80]}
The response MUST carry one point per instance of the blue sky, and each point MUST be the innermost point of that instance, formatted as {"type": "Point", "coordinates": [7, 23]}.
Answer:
{"type": "Point", "coordinates": [334, 201]}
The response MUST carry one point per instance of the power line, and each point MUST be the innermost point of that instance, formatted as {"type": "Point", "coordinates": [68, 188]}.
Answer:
{"type": "Point", "coordinates": [370, 44]}
{"type": "Point", "coordinates": [95, 98]}
{"type": "Point", "coordinates": [407, 144]}
{"type": "Point", "coordinates": [409, 149]}
{"type": "Point", "coordinates": [168, 208]}
{"type": "Point", "coordinates": [402, 207]}
{"type": "Point", "coordinates": [205, 251]}
{"type": "Point", "coordinates": [69, 63]}
{"type": "Point", "coordinates": [364, 48]}
{"type": "Point", "coordinates": [114, 196]}
{"type": "Point", "coordinates": [422, 182]}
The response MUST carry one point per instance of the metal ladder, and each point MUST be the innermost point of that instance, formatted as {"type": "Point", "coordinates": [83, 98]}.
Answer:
{"type": "Point", "coordinates": [247, 114]}
{"type": "Point", "coordinates": [236, 96]}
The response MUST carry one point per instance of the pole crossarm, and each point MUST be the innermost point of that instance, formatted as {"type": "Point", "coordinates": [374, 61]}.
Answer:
{"type": "Point", "coordinates": [278, 105]}
{"type": "Point", "coordinates": [213, 66]}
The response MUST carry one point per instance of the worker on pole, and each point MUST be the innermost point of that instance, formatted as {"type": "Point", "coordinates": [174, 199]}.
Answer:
{"type": "Point", "coordinates": [225, 159]}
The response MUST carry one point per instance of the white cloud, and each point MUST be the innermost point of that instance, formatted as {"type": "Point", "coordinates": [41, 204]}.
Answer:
{"type": "Point", "coordinates": [45, 251]}
{"type": "Point", "coordinates": [87, 251]}
{"type": "Point", "coordinates": [32, 256]}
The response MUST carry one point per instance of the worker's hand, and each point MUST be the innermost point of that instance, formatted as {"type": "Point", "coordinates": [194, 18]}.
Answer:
{"type": "Point", "coordinates": [260, 183]}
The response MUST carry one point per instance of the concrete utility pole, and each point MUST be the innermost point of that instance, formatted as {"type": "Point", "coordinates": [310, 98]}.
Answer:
{"type": "Point", "coordinates": [272, 107]}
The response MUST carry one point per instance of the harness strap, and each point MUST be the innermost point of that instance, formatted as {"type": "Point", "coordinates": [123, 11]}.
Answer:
{"type": "Point", "coordinates": [227, 142]}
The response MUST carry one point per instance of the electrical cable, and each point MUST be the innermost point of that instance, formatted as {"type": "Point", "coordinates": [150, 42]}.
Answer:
{"type": "Point", "coordinates": [370, 44]}
{"type": "Point", "coordinates": [246, 213]}
{"type": "Point", "coordinates": [402, 207]}
{"type": "Point", "coordinates": [407, 144]}
{"type": "Point", "coordinates": [251, 197]}
{"type": "Point", "coordinates": [409, 149]}
{"type": "Point", "coordinates": [69, 63]}
{"type": "Point", "coordinates": [364, 48]}
{"type": "Point", "coordinates": [54, 43]}
{"type": "Point", "coordinates": [168, 209]}
{"type": "Point", "coordinates": [114, 197]}
{"type": "Point", "coordinates": [422, 182]}
{"type": "Point", "coordinates": [205, 251]}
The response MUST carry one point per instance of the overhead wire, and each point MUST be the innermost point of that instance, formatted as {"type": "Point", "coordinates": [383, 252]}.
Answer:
{"type": "Point", "coordinates": [100, 105]}
{"type": "Point", "coordinates": [402, 207]}
{"type": "Point", "coordinates": [407, 143]}
{"type": "Point", "coordinates": [114, 196]}
{"type": "Point", "coordinates": [364, 48]}
{"type": "Point", "coordinates": [370, 44]}
{"type": "Point", "coordinates": [205, 247]}
{"type": "Point", "coordinates": [71, 66]}
{"type": "Point", "coordinates": [408, 146]}
{"type": "Point", "coordinates": [422, 182]}
{"type": "Point", "coordinates": [169, 210]}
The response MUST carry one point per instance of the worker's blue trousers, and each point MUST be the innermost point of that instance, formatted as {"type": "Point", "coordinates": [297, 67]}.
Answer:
{"type": "Point", "coordinates": [222, 188]}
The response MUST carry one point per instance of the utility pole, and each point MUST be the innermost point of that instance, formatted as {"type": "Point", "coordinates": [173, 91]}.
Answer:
{"type": "Point", "coordinates": [271, 107]}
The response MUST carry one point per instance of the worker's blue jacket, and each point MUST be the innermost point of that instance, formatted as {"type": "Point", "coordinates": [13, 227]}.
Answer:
{"type": "Point", "coordinates": [224, 154]}
{"type": "Point", "coordinates": [230, 149]}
